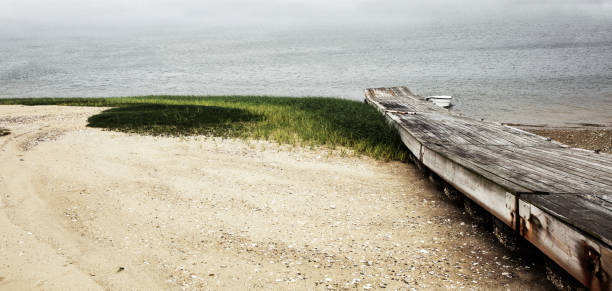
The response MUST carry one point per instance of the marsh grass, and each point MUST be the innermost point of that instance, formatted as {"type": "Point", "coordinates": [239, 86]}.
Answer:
{"type": "Point", "coordinates": [305, 121]}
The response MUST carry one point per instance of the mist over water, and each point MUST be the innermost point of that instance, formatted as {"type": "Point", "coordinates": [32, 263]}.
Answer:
{"type": "Point", "coordinates": [551, 70]}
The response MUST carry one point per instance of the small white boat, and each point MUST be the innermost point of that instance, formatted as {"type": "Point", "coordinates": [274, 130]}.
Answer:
{"type": "Point", "coordinates": [442, 101]}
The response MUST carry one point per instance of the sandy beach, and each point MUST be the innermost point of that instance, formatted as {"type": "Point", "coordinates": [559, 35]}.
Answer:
{"type": "Point", "coordinates": [83, 208]}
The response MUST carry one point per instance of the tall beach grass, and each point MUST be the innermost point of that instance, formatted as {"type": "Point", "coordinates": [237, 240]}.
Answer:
{"type": "Point", "coordinates": [308, 121]}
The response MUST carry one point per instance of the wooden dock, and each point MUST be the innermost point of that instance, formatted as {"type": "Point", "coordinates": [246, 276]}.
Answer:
{"type": "Point", "coordinates": [556, 197]}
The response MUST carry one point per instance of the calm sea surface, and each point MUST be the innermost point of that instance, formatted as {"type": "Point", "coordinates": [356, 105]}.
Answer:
{"type": "Point", "coordinates": [537, 72]}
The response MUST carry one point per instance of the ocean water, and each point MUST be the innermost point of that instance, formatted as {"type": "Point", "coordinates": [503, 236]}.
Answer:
{"type": "Point", "coordinates": [547, 71]}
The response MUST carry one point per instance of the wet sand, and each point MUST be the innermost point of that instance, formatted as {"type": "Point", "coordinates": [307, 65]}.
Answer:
{"type": "Point", "coordinates": [82, 208]}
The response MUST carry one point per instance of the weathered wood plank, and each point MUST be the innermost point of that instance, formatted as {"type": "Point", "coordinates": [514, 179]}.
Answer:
{"type": "Point", "coordinates": [585, 257]}
{"type": "Point", "coordinates": [589, 176]}
{"type": "Point", "coordinates": [560, 198]}
{"type": "Point", "coordinates": [583, 158]}
{"type": "Point", "coordinates": [562, 178]}
{"type": "Point", "coordinates": [485, 191]}
{"type": "Point", "coordinates": [409, 140]}
{"type": "Point", "coordinates": [490, 162]}
{"type": "Point", "coordinates": [391, 100]}
{"type": "Point", "coordinates": [541, 165]}
{"type": "Point", "coordinates": [584, 211]}
{"type": "Point", "coordinates": [443, 128]}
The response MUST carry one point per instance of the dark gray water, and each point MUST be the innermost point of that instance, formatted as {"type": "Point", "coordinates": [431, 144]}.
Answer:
{"type": "Point", "coordinates": [555, 71]}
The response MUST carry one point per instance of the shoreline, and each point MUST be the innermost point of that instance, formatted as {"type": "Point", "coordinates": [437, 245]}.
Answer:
{"type": "Point", "coordinates": [102, 209]}
{"type": "Point", "coordinates": [43, 133]}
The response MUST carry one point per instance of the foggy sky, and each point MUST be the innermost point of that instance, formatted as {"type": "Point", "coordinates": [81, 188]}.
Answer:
{"type": "Point", "coordinates": [114, 13]}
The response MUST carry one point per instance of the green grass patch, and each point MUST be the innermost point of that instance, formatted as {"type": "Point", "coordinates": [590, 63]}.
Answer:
{"type": "Point", "coordinates": [308, 121]}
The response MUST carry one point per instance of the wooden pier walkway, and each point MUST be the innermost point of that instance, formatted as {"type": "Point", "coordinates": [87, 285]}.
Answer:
{"type": "Point", "coordinates": [556, 197]}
